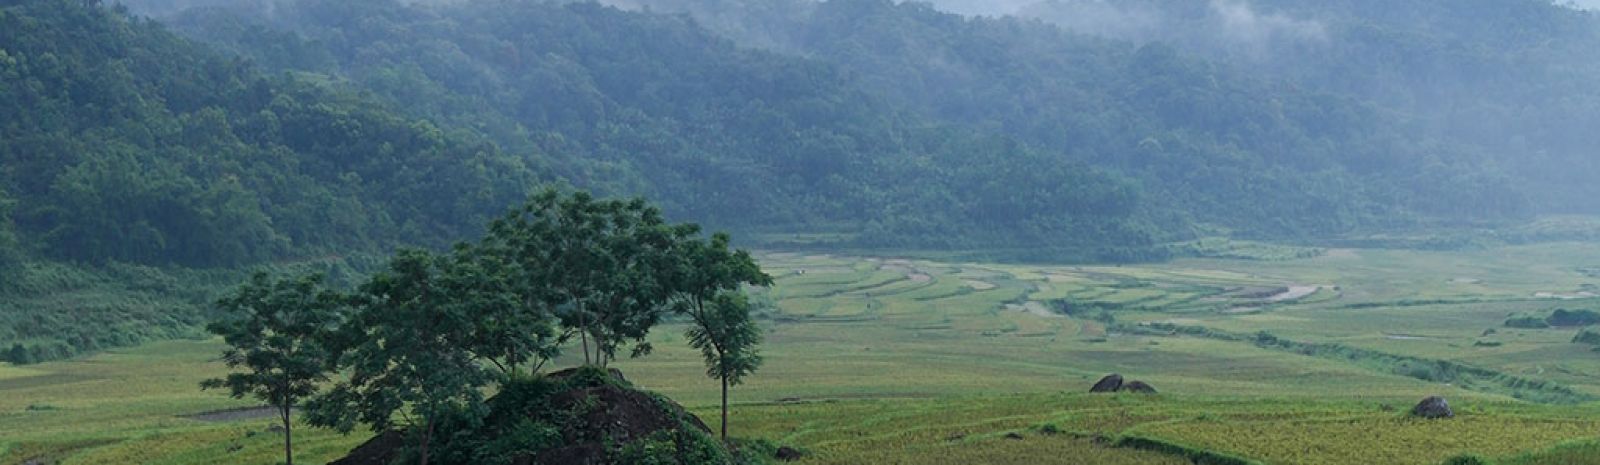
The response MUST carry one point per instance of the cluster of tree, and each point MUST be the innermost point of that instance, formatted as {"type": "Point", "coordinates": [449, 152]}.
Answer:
{"type": "Point", "coordinates": [419, 341]}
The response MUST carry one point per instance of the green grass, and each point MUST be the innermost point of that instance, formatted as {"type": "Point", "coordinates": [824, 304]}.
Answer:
{"type": "Point", "coordinates": [913, 361]}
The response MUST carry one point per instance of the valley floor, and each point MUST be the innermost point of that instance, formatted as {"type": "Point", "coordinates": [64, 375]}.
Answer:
{"type": "Point", "coordinates": [875, 360]}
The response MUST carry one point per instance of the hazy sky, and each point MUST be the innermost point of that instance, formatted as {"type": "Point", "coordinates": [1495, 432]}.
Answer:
{"type": "Point", "coordinates": [1588, 4]}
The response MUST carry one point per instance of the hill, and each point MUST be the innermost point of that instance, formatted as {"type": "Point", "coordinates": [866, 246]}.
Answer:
{"type": "Point", "coordinates": [1203, 148]}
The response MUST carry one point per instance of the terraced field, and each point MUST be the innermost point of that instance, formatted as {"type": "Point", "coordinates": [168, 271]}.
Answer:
{"type": "Point", "coordinates": [885, 360]}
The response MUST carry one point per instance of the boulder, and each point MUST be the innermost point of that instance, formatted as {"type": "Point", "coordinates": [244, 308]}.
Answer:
{"type": "Point", "coordinates": [1433, 407]}
{"type": "Point", "coordinates": [1110, 383]}
{"type": "Point", "coordinates": [1138, 387]}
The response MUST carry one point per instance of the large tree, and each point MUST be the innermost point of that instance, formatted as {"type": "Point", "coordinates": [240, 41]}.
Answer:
{"type": "Point", "coordinates": [275, 330]}
{"type": "Point", "coordinates": [600, 261]}
{"type": "Point", "coordinates": [408, 355]}
{"type": "Point", "coordinates": [507, 302]}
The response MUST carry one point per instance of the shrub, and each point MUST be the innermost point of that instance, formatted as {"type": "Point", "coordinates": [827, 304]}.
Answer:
{"type": "Point", "coordinates": [1526, 322]}
{"type": "Point", "coordinates": [1564, 317]}
{"type": "Point", "coordinates": [1467, 459]}
{"type": "Point", "coordinates": [1588, 336]}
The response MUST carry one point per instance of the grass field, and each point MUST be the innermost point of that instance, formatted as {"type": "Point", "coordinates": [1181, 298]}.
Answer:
{"type": "Point", "coordinates": [882, 360]}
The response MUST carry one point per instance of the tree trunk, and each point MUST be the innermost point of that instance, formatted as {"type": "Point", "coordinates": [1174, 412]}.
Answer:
{"type": "Point", "coordinates": [288, 435]}
{"type": "Point", "coordinates": [724, 408]}
{"type": "Point", "coordinates": [426, 437]}
{"type": "Point", "coordinates": [583, 332]}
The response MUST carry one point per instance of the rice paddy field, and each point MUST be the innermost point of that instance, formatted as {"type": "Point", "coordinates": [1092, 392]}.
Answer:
{"type": "Point", "coordinates": [1308, 357]}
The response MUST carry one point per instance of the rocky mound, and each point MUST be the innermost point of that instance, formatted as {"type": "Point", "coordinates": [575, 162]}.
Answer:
{"type": "Point", "coordinates": [583, 416]}
{"type": "Point", "coordinates": [1433, 407]}
{"type": "Point", "coordinates": [1110, 383]}
{"type": "Point", "coordinates": [1113, 383]}
{"type": "Point", "coordinates": [1138, 387]}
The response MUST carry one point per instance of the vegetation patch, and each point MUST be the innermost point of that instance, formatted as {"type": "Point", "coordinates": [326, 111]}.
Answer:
{"type": "Point", "coordinates": [1433, 370]}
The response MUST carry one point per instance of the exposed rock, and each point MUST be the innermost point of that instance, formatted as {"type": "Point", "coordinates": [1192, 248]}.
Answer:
{"type": "Point", "coordinates": [1110, 383]}
{"type": "Point", "coordinates": [1432, 407]}
{"type": "Point", "coordinates": [1138, 387]}
{"type": "Point", "coordinates": [788, 454]}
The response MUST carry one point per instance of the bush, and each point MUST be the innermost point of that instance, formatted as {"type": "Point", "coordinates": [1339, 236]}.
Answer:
{"type": "Point", "coordinates": [1588, 336]}
{"type": "Point", "coordinates": [1467, 459]}
{"type": "Point", "coordinates": [1564, 317]}
{"type": "Point", "coordinates": [1526, 322]}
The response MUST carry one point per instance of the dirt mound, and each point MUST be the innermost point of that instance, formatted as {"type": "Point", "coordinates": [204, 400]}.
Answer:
{"type": "Point", "coordinates": [612, 414]}
{"type": "Point", "coordinates": [600, 419]}
{"type": "Point", "coordinates": [1139, 387]}
{"type": "Point", "coordinates": [379, 450]}
{"type": "Point", "coordinates": [1433, 407]}
{"type": "Point", "coordinates": [1110, 383]}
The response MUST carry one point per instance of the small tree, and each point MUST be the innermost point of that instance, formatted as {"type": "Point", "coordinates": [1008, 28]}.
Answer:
{"type": "Point", "coordinates": [274, 330]}
{"type": "Point", "coordinates": [728, 338]}
{"type": "Point", "coordinates": [408, 354]}
{"type": "Point", "coordinates": [707, 280]}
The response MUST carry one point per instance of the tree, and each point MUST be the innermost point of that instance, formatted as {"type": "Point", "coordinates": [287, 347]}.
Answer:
{"type": "Point", "coordinates": [507, 305]}
{"type": "Point", "coordinates": [408, 354]}
{"type": "Point", "coordinates": [600, 262]}
{"type": "Point", "coordinates": [727, 337]}
{"type": "Point", "coordinates": [708, 279]}
{"type": "Point", "coordinates": [275, 330]}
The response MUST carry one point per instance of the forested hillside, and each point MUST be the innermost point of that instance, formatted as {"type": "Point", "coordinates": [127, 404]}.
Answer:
{"type": "Point", "coordinates": [740, 139]}
{"type": "Point", "coordinates": [131, 159]}
{"type": "Point", "coordinates": [1513, 79]}
{"type": "Point", "coordinates": [1205, 145]}
{"type": "Point", "coordinates": [123, 142]}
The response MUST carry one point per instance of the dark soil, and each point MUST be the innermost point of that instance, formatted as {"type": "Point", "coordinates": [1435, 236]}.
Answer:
{"type": "Point", "coordinates": [235, 414]}
{"type": "Point", "coordinates": [379, 450]}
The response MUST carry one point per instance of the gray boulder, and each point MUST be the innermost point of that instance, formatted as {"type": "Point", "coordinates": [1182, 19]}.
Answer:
{"type": "Point", "coordinates": [1433, 407]}
{"type": "Point", "coordinates": [1110, 383]}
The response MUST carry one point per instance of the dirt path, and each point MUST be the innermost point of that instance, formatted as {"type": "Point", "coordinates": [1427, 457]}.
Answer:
{"type": "Point", "coordinates": [237, 414]}
{"type": "Point", "coordinates": [1294, 293]}
{"type": "Point", "coordinates": [1035, 308]}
